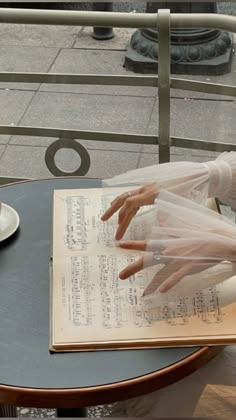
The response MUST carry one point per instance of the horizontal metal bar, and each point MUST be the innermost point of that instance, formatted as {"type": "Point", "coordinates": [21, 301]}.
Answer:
{"type": "Point", "coordinates": [115, 80]}
{"type": "Point", "coordinates": [202, 145]}
{"type": "Point", "coordinates": [115, 137]}
{"type": "Point", "coordinates": [78, 18]}
{"type": "Point", "coordinates": [79, 134]}
{"type": "Point", "coordinates": [115, 19]}
{"type": "Point", "coordinates": [203, 20]}
{"type": "Point", "coordinates": [90, 79]}
{"type": "Point", "coordinates": [213, 88]}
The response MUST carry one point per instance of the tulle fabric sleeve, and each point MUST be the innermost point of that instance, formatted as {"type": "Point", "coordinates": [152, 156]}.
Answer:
{"type": "Point", "coordinates": [188, 179]}
{"type": "Point", "coordinates": [222, 178]}
{"type": "Point", "coordinates": [189, 237]}
{"type": "Point", "coordinates": [192, 180]}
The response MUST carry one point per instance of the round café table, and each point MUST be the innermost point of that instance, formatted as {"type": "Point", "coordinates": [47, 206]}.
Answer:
{"type": "Point", "coordinates": [29, 375]}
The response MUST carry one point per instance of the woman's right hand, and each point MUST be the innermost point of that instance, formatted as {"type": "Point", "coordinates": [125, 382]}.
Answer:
{"type": "Point", "coordinates": [178, 262]}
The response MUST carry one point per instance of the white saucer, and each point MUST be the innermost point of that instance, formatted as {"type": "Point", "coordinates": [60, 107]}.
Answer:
{"type": "Point", "coordinates": [9, 221]}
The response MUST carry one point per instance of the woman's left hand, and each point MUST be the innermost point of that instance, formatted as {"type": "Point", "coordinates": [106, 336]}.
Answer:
{"type": "Point", "coordinates": [128, 204]}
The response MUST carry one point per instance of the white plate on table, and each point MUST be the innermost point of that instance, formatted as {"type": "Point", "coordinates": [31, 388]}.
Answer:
{"type": "Point", "coordinates": [9, 221]}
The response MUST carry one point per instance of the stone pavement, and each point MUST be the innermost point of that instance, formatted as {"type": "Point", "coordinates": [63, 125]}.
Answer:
{"type": "Point", "coordinates": [123, 109]}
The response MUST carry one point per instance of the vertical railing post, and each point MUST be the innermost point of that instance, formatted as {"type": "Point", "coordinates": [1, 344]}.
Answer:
{"type": "Point", "coordinates": [163, 17]}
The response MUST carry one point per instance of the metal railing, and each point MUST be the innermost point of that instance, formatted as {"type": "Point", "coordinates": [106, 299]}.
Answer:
{"type": "Point", "coordinates": [164, 21]}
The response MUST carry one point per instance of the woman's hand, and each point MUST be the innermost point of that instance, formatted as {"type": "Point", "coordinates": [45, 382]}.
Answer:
{"type": "Point", "coordinates": [128, 204]}
{"type": "Point", "coordinates": [178, 263]}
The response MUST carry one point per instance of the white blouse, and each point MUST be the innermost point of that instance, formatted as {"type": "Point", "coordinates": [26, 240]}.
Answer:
{"type": "Point", "coordinates": [190, 179]}
{"type": "Point", "coordinates": [211, 390]}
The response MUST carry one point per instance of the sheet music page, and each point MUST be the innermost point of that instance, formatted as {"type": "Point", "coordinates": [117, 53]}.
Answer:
{"type": "Point", "coordinates": [91, 304]}
{"type": "Point", "coordinates": [78, 227]}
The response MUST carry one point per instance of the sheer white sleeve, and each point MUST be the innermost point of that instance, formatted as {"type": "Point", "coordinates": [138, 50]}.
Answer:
{"type": "Point", "coordinates": [190, 247]}
{"type": "Point", "coordinates": [196, 181]}
{"type": "Point", "coordinates": [222, 178]}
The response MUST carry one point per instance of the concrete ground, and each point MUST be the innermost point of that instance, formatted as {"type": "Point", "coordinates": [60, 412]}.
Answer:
{"type": "Point", "coordinates": [123, 109]}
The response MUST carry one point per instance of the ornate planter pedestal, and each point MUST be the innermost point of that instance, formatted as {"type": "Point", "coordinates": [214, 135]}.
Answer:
{"type": "Point", "coordinates": [193, 51]}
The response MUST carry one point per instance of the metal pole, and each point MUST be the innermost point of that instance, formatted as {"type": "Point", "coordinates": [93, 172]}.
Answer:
{"type": "Point", "coordinates": [102, 34]}
{"type": "Point", "coordinates": [164, 85]}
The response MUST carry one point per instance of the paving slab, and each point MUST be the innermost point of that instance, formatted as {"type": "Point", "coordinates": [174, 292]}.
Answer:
{"type": "Point", "coordinates": [200, 119]}
{"type": "Point", "coordinates": [181, 151]}
{"type": "Point", "coordinates": [38, 35]}
{"type": "Point", "coordinates": [228, 78]}
{"type": "Point", "coordinates": [12, 107]}
{"type": "Point", "coordinates": [28, 162]}
{"type": "Point", "coordinates": [203, 119]}
{"type": "Point", "coordinates": [4, 139]}
{"type": "Point", "coordinates": [106, 164]}
{"type": "Point", "coordinates": [148, 159]}
{"type": "Point", "coordinates": [182, 155]}
{"type": "Point", "coordinates": [15, 58]}
{"type": "Point", "coordinates": [119, 42]}
{"type": "Point", "coordinates": [13, 104]}
{"type": "Point", "coordinates": [225, 79]}
{"type": "Point", "coordinates": [88, 144]}
{"type": "Point", "coordinates": [34, 141]}
{"type": "Point", "coordinates": [80, 61]}
{"type": "Point", "coordinates": [2, 148]}
{"type": "Point", "coordinates": [111, 62]}
{"type": "Point", "coordinates": [91, 112]}
{"type": "Point", "coordinates": [194, 154]}
{"type": "Point", "coordinates": [185, 94]}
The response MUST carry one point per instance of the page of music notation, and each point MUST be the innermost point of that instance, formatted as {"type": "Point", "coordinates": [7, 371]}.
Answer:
{"type": "Point", "coordinates": [90, 302]}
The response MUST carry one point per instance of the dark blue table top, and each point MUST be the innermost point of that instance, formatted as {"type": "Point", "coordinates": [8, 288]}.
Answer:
{"type": "Point", "coordinates": [25, 360]}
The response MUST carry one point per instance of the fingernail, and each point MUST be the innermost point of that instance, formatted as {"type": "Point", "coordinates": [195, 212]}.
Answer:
{"type": "Point", "coordinates": [150, 295]}
{"type": "Point", "coordinates": [145, 296]}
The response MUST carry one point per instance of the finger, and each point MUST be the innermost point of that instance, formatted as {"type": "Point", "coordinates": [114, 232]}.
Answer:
{"type": "Point", "coordinates": [130, 208]}
{"type": "Point", "coordinates": [174, 278]}
{"type": "Point", "coordinates": [161, 276]}
{"type": "Point", "coordinates": [124, 226]}
{"type": "Point", "coordinates": [184, 250]}
{"type": "Point", "coordinates": [134, 202]}
{"type": "Point", "coordinates": [118, 202]}
{"type": "Point", "coordinates": [115, 206]}
{"type": "Point", "coordinates": [108, 213]}
{"type": "Point", "coordinates": [127, 194]}
{"type": "Point", "coordinates": [137, 245]}
{"type": "Point", "coordinates": [131, 269]}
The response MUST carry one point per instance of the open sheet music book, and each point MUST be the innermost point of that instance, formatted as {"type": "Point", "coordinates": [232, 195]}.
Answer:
{"type": "Point", "coordinates": [92, 309]}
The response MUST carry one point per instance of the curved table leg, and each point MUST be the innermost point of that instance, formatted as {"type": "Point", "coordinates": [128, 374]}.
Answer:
{"type": "Point", "coordinates": [7, 411]}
